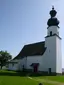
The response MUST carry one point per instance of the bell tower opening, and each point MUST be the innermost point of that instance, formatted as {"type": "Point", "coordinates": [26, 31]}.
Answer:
{"type": "Point", "coordinates": [50, 33]}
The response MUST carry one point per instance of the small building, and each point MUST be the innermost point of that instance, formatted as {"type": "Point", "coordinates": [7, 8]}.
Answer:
{"type": "Point", "coordinates": [45, 55]}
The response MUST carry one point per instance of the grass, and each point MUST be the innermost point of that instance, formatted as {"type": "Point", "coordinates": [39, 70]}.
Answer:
{"type": "Point", "coordinates": [53, 78]}
{"type": "Point", "coordinates": [17, 78]}
{"type": "Point", "coordinates": [8, 80]}
{"type": "Point", "coordinates": [14, 78]}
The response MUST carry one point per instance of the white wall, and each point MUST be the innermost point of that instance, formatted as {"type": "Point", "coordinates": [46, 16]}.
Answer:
{"type": "Point", "coordinates": [59, 56]}
{"type": "Point", "coordinates": [53, 55]}
{"type": "Point", "coordinates": [14, 66]}
{"type": "Point", "coordinates": [54, 29]}
{"type": "Point", "coordinates": [18, 65]}
{"type": "Point", "coordinates": [21, 63]}
{"type": "Point", "coordinates": [34, 59]}
{"type": "Point", "coordinates": [50, 56]}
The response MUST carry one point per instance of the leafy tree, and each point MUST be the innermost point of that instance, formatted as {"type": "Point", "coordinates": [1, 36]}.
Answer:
{"type": "Point", "coordinates": [4, 57]}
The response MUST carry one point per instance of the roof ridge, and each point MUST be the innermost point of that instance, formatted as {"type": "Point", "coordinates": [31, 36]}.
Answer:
{"type": "Point", "coordinates": [35, 43]}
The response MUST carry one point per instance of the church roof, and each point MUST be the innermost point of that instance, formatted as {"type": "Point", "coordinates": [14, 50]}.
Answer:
{"type": "Point", "coordinates": [32, 50]}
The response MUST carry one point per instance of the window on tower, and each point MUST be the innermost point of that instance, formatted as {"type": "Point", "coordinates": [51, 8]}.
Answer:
{"type": "Point", "coordinates": [50, 33]}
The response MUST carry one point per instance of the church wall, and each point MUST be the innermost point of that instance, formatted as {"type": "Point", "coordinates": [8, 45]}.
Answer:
{"type": "Point", "coordinates": [59, 56]}
{"type": "Point", "coordinates": [34, 59]}
{"type": "Point", "coordinates": [54, 29]}
{"type": "Point", "coordinates": [45, 62]}
{"type": "Point", "coordinates": [49, 58]}
{"type": "Point", "coordinates": [22, 63]}
{"type": "Point", "coordinates": [13, 66]}
{"type": "Point", "coordinates": [18, 65]}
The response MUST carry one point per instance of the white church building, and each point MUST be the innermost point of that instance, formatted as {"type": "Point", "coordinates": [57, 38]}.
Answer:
{"type": "Point", "coordinates": [44, 56]}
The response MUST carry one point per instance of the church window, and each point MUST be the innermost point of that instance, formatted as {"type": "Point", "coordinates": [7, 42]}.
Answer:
{"type": "Point", "coordinates": [12, 64]}
{"type": "Point", "coordinates": [50, 33]}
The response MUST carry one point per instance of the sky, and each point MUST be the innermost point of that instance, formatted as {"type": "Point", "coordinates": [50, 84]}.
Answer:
{"type": "Point", "coordinates": [25, 21]}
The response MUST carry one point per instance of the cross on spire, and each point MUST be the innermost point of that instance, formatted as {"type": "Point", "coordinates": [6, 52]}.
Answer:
{"type": "Point", "coordinates": [52, 7]}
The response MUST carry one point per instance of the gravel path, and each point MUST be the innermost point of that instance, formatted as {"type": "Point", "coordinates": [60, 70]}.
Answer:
{"type": "Point", "coordinates": [46, 80]}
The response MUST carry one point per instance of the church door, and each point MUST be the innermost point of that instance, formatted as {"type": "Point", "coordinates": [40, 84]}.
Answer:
{"type": "Point", "coordinates": [35, 68]}
{"type": "Point", "coordinates": [49, 71]}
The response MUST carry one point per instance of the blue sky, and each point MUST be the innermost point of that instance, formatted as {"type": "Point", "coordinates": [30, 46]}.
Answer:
{"type": "Point", "coordinates": [25, 21]}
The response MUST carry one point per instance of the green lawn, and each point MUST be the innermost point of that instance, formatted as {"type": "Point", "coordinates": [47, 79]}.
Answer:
{"type": "Point", "coordinates": [14, 78]}
{"type": "Point", "coordinates": [53, 78]}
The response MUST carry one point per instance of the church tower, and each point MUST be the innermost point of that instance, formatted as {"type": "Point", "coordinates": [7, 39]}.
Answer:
{"type": "Point", "coordinates": [53, 44]}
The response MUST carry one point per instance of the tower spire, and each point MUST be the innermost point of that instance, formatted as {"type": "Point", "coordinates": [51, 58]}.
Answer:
{"type": "Point", "coordinates": [53, 12]}
{"type": "Point", "coordinates": [53, 21]}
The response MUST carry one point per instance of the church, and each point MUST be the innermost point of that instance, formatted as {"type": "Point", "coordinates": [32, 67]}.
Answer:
{"type": "Point", "coordinates": [44, 56]}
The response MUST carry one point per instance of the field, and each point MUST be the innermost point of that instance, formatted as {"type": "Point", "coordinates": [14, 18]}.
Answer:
{"type": "Point", "coordinates": [16, 78]}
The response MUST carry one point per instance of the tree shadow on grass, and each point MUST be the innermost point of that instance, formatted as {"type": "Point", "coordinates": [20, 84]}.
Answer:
{"type": "Point", "coordinates": [22, 73]}
{"type": "Point", "coordinates": [12, 73]}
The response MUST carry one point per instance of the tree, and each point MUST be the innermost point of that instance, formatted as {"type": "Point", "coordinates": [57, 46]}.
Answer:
{"type": "Point", "coordinates": [4, 57]}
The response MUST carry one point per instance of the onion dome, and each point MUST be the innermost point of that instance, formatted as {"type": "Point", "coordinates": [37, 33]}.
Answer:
{"type": "Point", "coordinates": [53, 21]}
